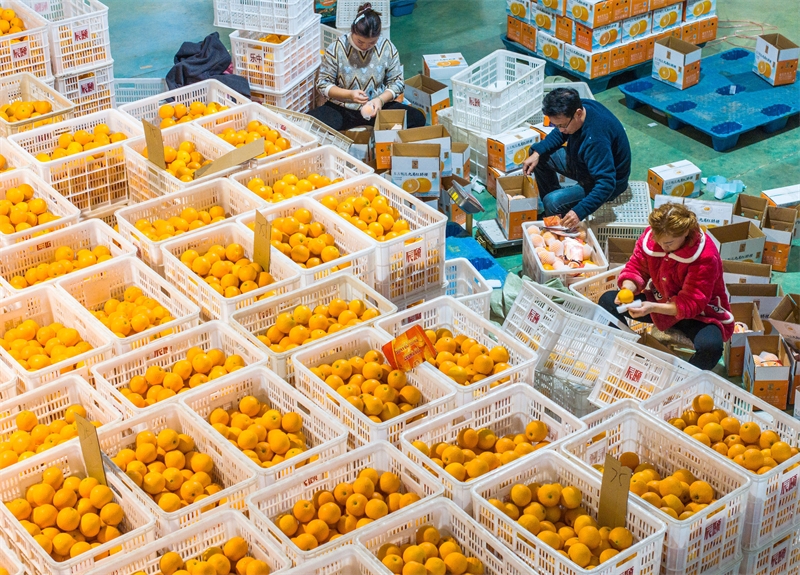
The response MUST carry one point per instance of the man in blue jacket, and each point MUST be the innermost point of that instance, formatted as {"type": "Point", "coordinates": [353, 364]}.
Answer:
{"type": "Point", "coordinates": [588, 144]}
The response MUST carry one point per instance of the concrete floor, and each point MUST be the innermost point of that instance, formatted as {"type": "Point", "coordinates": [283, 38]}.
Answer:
{"type": "Point", "coordinates": [146, 34]}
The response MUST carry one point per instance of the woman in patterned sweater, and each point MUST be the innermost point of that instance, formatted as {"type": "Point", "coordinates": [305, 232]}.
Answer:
{"type": "Point", "coordinates": [360, 75]}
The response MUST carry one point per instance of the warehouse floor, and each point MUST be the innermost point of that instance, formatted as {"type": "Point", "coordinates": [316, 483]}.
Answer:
{"type": "Point", "coordinates": [474, 27]}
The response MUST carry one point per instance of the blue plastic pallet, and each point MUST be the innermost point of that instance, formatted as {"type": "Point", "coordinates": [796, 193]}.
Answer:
{"type": "Point", "coordinates": [729, 100]}
{"type": "Point", "coordinates": [403, 7]}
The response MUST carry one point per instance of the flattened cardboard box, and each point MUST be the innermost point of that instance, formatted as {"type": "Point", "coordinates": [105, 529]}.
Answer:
{"type": "Point", "coordinates": [513, 211]}
{"type": "Point", "coordinates": [786, 197]}
{"type": "Point", "coordinates": [709, 213]}
{"type": "Point", "coordinates": [746, 313]}
{"type": "Point", "coordinates": [768, 383]}
{"type": "Point", "coordinates": [739, 242]}
{"type": "Point", "coordinates": [765, 296]}
{"type": "Point", "coordinates": [386, 135]}
{"type": "Point", "coordinates": [749, 209]}
{"type": "Point", "coordinates": [432, 135]}
{"type": "Point", "coordinates": [415, 168]}
{"type": "Point", "coordinates": [778, 227]}
{"type": "Point", "coordinates": [776, 59]}
{"type": "Point", "coordinates": [676, 179]}
{"type": "Point", "coordinates": [427, 95]}
{"type": "Point", "coordinates": [785, 318]}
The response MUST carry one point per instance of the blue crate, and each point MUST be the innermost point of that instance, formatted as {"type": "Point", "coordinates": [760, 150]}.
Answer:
{"type": "Point", "coordinates": [729, 100]}
{"type": "Point", "coordinates": [403, 7]}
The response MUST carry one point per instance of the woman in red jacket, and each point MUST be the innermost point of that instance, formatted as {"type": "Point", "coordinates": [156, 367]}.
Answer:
{"type": "Point", "coordinates": [676, 272]}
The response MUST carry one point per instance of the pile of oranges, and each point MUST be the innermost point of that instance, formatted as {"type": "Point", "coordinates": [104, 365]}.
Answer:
{"type": "Point", "coordinates": [273, 38]}
{"type": "Point", "coordinates": [134, 314]}
{"type": "Point", "coordinates": [371, 213]}
{"type": "Point", "coordinates": [69, 516]}
{"type": "Point", "coordinates": [303, 325]}
{"type": "Point", "coordinates": [82, 141]}
{"type": "Point", "coordinates": [464, 360]}
{"type": "Point", "coordinates": [429, 553]}
{"type": "Point", "coordinates": [232, 557]}
{"type": "Point", "coordinates": [167, 467]}
{"type": "Point", "coordinates": [65, 260]}
{"type": "Point", "coordinates": [20, 211]}
{"type": "Point", "coordinates": [189, 220]}
{"type": "Point", "coordinates": [4, 165]}
{"type": "Point", "coordinates": [289, 186]}
{"type": "Point", "coordinates": [35, 347]}
{"type": "Point", "coordinates": [22, 110]}
{"type": "Point", "coordinates": [350, 506]}
{"type": "Point", "coordinates": [478, 452]}
{"type": "Point", "coordinates": [744, 443]}
{"type": "Point", "coordinates": [371, 385]}
{"type": "Point", "coordinates": [183, 162]}
{"type": "Point", "coordinates": [265, 435]}
{"type": "Point", "coordinates": [32, 437]}
{"type": "Point", "coordinates": [181, 113]}
{"type": "Point", "coordinates": [199, 367]}
{"type": "Point", "coordinates": [10, 23]}
{"type": "Point", "coordinates": [273, 141]}
{"type": "Point", "coordinates": [227, 271]}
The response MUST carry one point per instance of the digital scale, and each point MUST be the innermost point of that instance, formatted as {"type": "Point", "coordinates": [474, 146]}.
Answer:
{"type": "Point", "coordinates": [491, 237]}
{"type": "Point", "coordinates": [466, 202]}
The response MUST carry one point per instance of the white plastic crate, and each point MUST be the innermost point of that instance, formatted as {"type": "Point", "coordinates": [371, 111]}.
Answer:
{"type": "Point", "coordinates": [191, 542]}
{"type": "Point", "coordinates": [778, 557]}
{"type": "Point", "coordinates": [581, 87]}
{"type": "Point", "coordinates": [46, 305]}
{"type": "Point", "coordinates": [446, 312]}
{"type": "Point", "coordinates": [147, 181]}
{"type": "Point", "coordinates": [347, 10]}
{"type": "Point", "coordinates": [300, 96]}
{"type": "Point", "coordinates": [479, 157]}
{"type": "Point", "coordinates": [238, 118]}
{"type": "Point", "coordinates": [571, 396]}
{"type": "Point", "coordinates": [437, 396]}
{"type": "Point", "coordinates": [506, 412]}
{"type": "Point", "coordinates": [273, 67]}
{"type": "Point", "coordinates": [403, 269]}
{"type": "Point", "coordinates": [348, 560]}
{"type": "Point", "coordinates": [707, 539]}
{"type": "Point", "coordinates": [15, 159]}
{"type": "Point", "coordinates": [26, 87]}
{"type": "Point", "coordinates": [533, 268]}
{"type": "Point", "coordinates": [106, 215]}
{"type": "Point", "coordinates": [129, 90]}
{"type": "Point", "coordinates": [110, 376]}
{"type": "Point", "coordinates": [641, 558]}
{"type": "Point", "coordinates": [217, 192]}
{"type": "Point", "coordinates": [91, 288]}
{"type": "Point", "coordinates": [91, 180]}
{"type": "Point", "coordinates": [328, 36]}
{"type": "Point", "coordinates": [137, 527]}
{"type": "Point", "coordinates": [467, 285]}
{"type": "Point", "coordinates": [79, 34]}
{"type": "Point", "coordinates": [10, 562]}
{"type": "Point", "coordinates": [498, 92]}
{"type": "Point", "coordinates": [326, 437]}
{"type": "Point", "coordinates": [324, 133]}
{"type": "Point", "coordinates": [450, 521]}
{"type": "Point", "coordinates": [8, 383]}
{"type": "Point", "coordinates": [236, 480]}
{"type": "Point", "coordinates": [626, 216]}
{"type": "Point", "coordinates": [421, 298]}
{"type": "Point", "coordinates": [17, 259]}
{"type": "Point", "coordinates": [773, 503]}
{"type": "Point", "coordinates": [276, 16]}
{"type": "Point", "coordinates": [91, 90]}
{"type": "Point", "coordinates": [56, 205]}
{"type": "Point", "coordinates": [258, 318]}
{"type": "Point", "coordinates": [214, 305]}
{"type": "Point", "coordinates": [29, 50]}
{"type": "Point", "coordinates": [357, 250]}
{"type": "Point", "coordinates": [593, 287]}
{"type": "Point", "coordinates": [268, 504]}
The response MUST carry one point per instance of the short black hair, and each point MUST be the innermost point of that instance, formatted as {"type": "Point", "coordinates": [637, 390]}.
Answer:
{"type": "Point", "coordinates": [367, 23]}
{"type": "Point", "coordinates": [562, 102]}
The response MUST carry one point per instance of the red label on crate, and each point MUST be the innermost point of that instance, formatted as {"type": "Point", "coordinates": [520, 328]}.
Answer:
{"type": "Point", "coordinates": [629, 571]}
{"type": "Point", "coordinates": [255, 57]}
{"type": "Point", "coordinates": [789, 485]}
{"type": "Point", "coordinates": [20, 51]}
{"type": "Point", "coordinates": [475, 102]}
{"type": "Point", "coordinates": [43, 246]}
{"type": "Point", "coordinates": [413, 318]}
{"type": "Point", "coordinates": [311, 480]}
{"type": "Point", "coordinates": [713, 529]}
{"type": "Point", "coordinates": [778, 558]}
{"type": "Point", "coordinates": [633, 374]}
{"type": "Point", "coordinates": [413, 254]}
{"type": "Point", "coordinates": [87, 87]}
{"type": "Point", "coordinates": [41, 6]}
{"type": "Point", "coordinates": [80, 34]}
{"type": "Point", "coordinates": [533, 316]}
{"type": "Point", "coordinates": [160, 351]}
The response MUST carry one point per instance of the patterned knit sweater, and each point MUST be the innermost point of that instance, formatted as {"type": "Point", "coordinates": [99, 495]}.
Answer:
{"type": "Point", "coordinates": [373, 71]}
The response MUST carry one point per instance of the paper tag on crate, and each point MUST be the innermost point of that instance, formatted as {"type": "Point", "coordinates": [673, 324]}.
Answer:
{"type": "Point", "coordinates": [634, 373]}
{"type": "Point", "coordinates": [90, 446]}
{"type": "Point", "coordinates": [409, 349]}
{"type": "Point", "coordinates": [413, 252]}
{"type": "Point", "coordinates": [231, 159]}
{"type": "Point", "coordinates": [713, 528]}
{"type": "Point", "coordinates": [613, 509]}
{"type": "Point", "coordinates": [41, 6]}
{"type": "Point", "coordinates": [262, 244]}
{"type": "Point", "coordinates": [789, 484]}
{"type": "Point", "coordinates": [87, 86]}
{"type": "Point", "coordinates": [20, 51]}
{"type": "Point", "coordinates": [81, 33]}
{"type": "Point", "coordinates": [255, 57]}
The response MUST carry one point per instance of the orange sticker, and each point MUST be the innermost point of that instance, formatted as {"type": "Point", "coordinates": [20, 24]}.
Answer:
{"type": "Point", "coordinates": [409, 349]}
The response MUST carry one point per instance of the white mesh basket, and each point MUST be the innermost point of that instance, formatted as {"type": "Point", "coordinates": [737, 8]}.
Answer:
{"type": "Point", "coordinates": [595, 286]}
{"type": "Point", "coordinates": [92, 288]}
{"type": "Point", "coordinates": [781, 556]}
{"type": "Point", "coordinates": [437, 396]}
{"type": "Point", "coordinates": [217, 192]}
{"type": "Point", "coordinates": [26, 87]}
{"type": "Point", "coordinates": [137, 526]}
{"type": "Point", "coordinates": [56, 205]}
{"type": "Point", "coordinates": [773, 503]}
{"type": "Point", "coordinates": [268, 504]}
{"type": "Point", "coordinates": [328, 36]}
{"type": "Point", "coordinates": [90, 90]}
{"type": "Point", "coordinates": [506, 412]}
{"type": "Point", "coordinates": [626, 216]}
{"type": "Point", "coordinates": [348, 560]}
{"type": "Point", "coordinates": [15, 158]}
{"type": "Point", "coordinates": [641, 558]}
{"type": "Point", "coordinates": [276, 16]}
{"type": "Point", "coordinates": [129, 90]}
{"type": "Point", "coordinates": [8, 383]}
{"type": "Point", "coordinates": [403, 269]}
{"type": "Point", "coordinates": [357, 250]}
{"type": "Point", "coordinates": [708, 538]}
{"type": "Point", "coordinates": [533, 268]}
{"type": "Point", "coordinates": [110, 376]}
{"type": "Point", "coordinates": [46, 305]}
{"type": "Point", "coordinates": [300, 96]}
{"type": "Point", "coordinates": [214, 305]}
{"type": "Point", "coordinates": [445, 312]}
{"type": "Point", "coordinates": [256, 319]}
{"type": "Point", "coordinates": [347, 10]}
{"type": "Point", "coordinates": [270, 66]}
{"type": "Point", "coordinates": [324, 133]}
{"type": "Point", "coordinates": [29, 50]}
{"type": "Point", "coordinates": [107, 215]}
{"type": "Point", "coordinates": [325, 437]}
{"type": "Point", "coordinates": [479, 156]}
{"type": "Point", "coordinates": [93, 179]}
{"type": "Point", "coordinates": [467, 285]}
{"type": "Point", "coordinates": [498, 92]}
{"type": "Point", "coordinates": [10, 562]}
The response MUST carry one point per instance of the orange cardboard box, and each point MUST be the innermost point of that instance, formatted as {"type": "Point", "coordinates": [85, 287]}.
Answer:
{"type": "Point", "coordinates": [427, 95]}
{"type": "Point", "coordinates": [770, 383]}
{"type": "Point", "coordinates": [595, 39]}
{"type": "Point", "coordinates": [637, 52]}
{"type": "Point", "coordinates": [690, 32]}
{"type": "Point", "coordinates": [778, 227]}
{"type": "Point", "coordinates": [591, 13]}
{"type": "Point", "coordinates": [544, 21]}
{"type": "Point", "coordinates": [514, 31]}
{"type": "Point", "coordinates": [385, 135]}
{"type": "Point", "coordinates": [748, 314]}
{"type": "Point", "coordinates": [517, 202]}
{"type": "Point", "coordinates": [550, 47]}
{"type": "Point", "coordinates": [708, 29]}
{"type": "Point", "coordinates": [565, 29]}
{"type": "Point", "coordinates": [656, 4]}
{"type": "Point", "coordinates": [776, 59]}
{"type": "Point", "coordinates": [639, 7]}
{"type": "Point", "coordinates": [621, 10]}
{"type": "Point", "coordinates": [587, 64]}
{"type": "Point", "coordinates": [618, 59]}
{"type": "Point", "coordinates": [529, 36]}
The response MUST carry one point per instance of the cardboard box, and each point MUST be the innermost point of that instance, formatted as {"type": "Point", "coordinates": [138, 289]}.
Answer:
{"type": "Point", "coordinates": [619, 251]}
{"type": "Point", "coordinates": [550, 47]}
{"type": "Point", "coordinates": [765, 296]}
{"type": "Point", "coordinates": [794, 374]}
{"type": "Point", "coordinates": [708, 29]}
{"type": "Point", "coordinates": [739, 242]}
{"type": "Point", "coordinates": [363, 142]}
{"type": "Point", "coordinates": [778, 227]}
{"type": "Point", "coordinates": [415, 168]}
{"type": "Point", "coordinates": [565, 29]}
{"type": "Point", "coordinates": [786, 197]}
{"type": "Point", "coordinates": [513, 210]}
{"type": "Point", "coordinates": [648, 340]}
{"type": "Point", "coordinates": [768, 383]}
{"type": "Point", "coordinates": [656, 4]}
{"type": "Point", "coordinates": [709, 213]}
{"type": "Point", "coordinates": [529, 37]}
{"type": "Point", "coordinates": [514, 30]}
{"type": "Point", "coordinates": [432, 135]}
{"type": "Point", "coordinates": [427, 95]}
{"type": "Point", "coordinates": [734, 349]}
{"type": "Point", "coordinates": [493, 174]}
{"type": "Point", "coordinates": [776, 59]}
{"type": "Point", "coordinates": [621, 10]}
{"type": "Point", "coordinates": [667, 18]}
{"type": "Point", "coordinates": [676, 179]}
{"type": "Point", "coordinates": [544, 21]}
{"type": "Point", "coordinates": [594, 39]}
{"type": "Point", "coordinates": [637, 52]}
{"type": "Point", "coordinates": [785, 318]}
{"type": "Point", "coordinates": [618, 58]}
{"type": "Point", "coordinates": [519, 9]}
{"type": "Point", "coordinates": [639, 7]}
{"type": "Point", "coordinates": [386, 134]}
{"type": "Point", "coordinates": [587, 64]}
{"type": "Point", "coordinates": [746, 273]}
{"type": "Point", "coordinates": [591, 12]}
{"type": "Point", "coordinates": [649, 43]}
{"type": "Point", "coordinates": [459, 156]}
{"type": "Point", "coordinates": [749, 209]}
{"type": "Point", "coordinates": [508, 150]}
{"type": "Point", "coordinates": [676, 62]}
{"type": "Point", "coordinates": [635, 28]}
{"type": "Point", "coordinates": [446, 204]}
{"type": "Point", "coordinates": [557, 7]}
{"type": "Point", "coordinates": [697, 9]}
{"type": "Point", "coordinates": [442, 67]}
{"type": "Point", "coordinates": [690, 32]}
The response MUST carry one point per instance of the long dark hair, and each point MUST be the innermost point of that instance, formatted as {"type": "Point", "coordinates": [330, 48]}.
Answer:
{"type": "Point", "coordinates": [367, 23]}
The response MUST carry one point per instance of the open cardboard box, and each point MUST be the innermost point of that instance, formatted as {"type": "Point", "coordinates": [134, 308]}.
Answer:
{"type": "Point", "coordinates": [742, 242]}
{"type": "Point", "coordinates": [776, 59]}
{"type": "Point", "coordinates": [765, 296]}
{"type": "Point", "coordinates": [387, 134]}
{"type": "Point", "coordinates": [746, 272]}
{"type": "Point", "coordinates": [446, 204]}
{"type": "Point", "coordinates": [778, 228]}
{"type": "Point", "coordinates": [768, 383]}
{"type": "Point", "coordinates": [517, 202]}
{"type": "Point", "coordinates": [460, 158]}
{"type": "Point", "coordinates": [749, 209]}
{"type": "Point", "coordinates": [427, 95]}
{"type": "Point", "coordinates": [619, 251]}
{"type": "Point", "coordinates": [432, 135]}
{"type": "Point", "coordinates": [415, 168]}
{"type": "Point", "coordinates": [734, 349]}
{"type": "Point", "coordinates": [363, 138]}
{"type": "Point", "coordinates": [710, 214]}
{"type": "Point", "coordinates": [785, 318]}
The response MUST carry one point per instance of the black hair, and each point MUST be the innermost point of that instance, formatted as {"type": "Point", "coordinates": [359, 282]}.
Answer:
{"type": "Point", "coordinates": [562, 102]}
{"type": "Point", "coordinates": [367, 22]}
